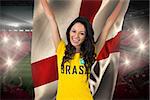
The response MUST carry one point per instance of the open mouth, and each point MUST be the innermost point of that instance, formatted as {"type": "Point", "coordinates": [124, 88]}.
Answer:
{"type": "Point", "coordinates": [75, 40]}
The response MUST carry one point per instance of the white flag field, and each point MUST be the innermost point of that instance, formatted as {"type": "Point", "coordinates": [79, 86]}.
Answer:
{"type": "Point", "coordinates": [43, 56]}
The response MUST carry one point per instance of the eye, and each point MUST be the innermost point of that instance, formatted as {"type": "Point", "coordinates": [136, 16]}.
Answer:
{"type": "Point", "coordinates": [82, 33]}
{"type": "Point", "coordinates": [73, 31]}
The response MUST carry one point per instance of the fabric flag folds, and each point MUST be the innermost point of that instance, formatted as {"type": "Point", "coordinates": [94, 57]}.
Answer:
{"type": "Point", "coordinates": [43, 55]}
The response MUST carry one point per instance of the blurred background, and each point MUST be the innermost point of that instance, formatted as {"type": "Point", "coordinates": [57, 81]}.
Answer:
{"type": "Point", "coordinates": [15, 51]}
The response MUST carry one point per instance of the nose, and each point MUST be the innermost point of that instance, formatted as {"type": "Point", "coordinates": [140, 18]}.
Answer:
{"type": "Point", "coordinates": [77, 35]}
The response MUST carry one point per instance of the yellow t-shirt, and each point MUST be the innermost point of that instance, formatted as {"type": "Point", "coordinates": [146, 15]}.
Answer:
{"type": "Point", "coordinates": [72, 78]}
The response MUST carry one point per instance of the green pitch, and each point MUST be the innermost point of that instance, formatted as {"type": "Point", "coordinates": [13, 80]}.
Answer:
{"type": "Point", "coordinates": [19, 76]}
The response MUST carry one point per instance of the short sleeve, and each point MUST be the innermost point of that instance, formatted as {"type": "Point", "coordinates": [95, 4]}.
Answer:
{"type": "Point", "coordinates": [61, 49]}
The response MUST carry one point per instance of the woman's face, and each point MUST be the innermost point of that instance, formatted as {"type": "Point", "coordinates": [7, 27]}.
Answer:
{"type": "Point", "coordinates": [77, 34]}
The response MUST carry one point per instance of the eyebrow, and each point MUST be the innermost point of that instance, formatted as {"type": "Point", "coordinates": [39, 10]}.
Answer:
{"type": "Point", "coordinates": [75, 29]}
{"type": "Point", "coordinates": [82, 31]}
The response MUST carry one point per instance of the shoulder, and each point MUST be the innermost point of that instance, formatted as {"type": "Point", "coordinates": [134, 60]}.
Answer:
{"type": "Point", "coordinates": [61, 46]}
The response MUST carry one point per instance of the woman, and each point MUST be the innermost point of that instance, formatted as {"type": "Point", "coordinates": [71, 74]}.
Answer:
{"type": "Point", "coordinates": [76, 58]}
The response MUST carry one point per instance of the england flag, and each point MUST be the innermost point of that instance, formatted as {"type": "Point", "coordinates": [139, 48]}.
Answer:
{"type": "Point", "coordinates": [43, 56]}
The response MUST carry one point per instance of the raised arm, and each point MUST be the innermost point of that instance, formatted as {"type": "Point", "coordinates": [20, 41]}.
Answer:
{"type": "Point", "coordinates": [53, 24]}
{"type": "Point", "coordinates": [109, 23]}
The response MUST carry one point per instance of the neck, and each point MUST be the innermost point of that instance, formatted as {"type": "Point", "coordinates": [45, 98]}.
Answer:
{"type": "Point", "coordinates": [77, 49]}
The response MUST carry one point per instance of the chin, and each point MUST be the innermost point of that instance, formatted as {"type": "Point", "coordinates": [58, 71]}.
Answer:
{"type": "Point", "coordinates": [74, 44]}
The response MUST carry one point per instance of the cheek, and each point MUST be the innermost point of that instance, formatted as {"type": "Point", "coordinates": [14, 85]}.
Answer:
{"type": "Point", "coordinates": [82, 38]}
{"type": "Point", "coordinates": [71, 34]}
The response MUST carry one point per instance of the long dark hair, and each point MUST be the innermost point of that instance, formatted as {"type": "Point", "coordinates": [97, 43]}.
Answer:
{"type": "Point", "coordinates": [87, 47]}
